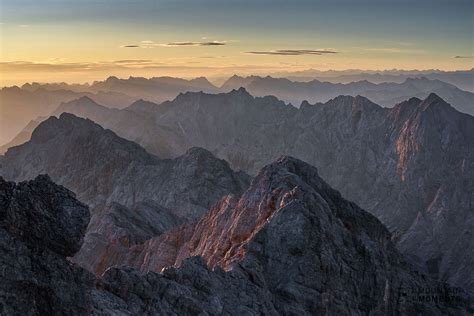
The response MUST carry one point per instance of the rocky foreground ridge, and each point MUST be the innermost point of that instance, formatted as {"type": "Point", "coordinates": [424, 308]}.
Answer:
{"type": "Point", "coordinates": [289, 245]}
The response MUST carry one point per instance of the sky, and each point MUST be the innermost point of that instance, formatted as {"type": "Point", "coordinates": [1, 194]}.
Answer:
{"type": "Point", "coordinates": [86, 40]}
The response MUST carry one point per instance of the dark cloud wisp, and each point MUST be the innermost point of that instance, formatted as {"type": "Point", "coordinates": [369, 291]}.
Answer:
{"type": "Point", "coordinates": [151, 44]}
{"type": "Point", "coordinates": [213, 43]}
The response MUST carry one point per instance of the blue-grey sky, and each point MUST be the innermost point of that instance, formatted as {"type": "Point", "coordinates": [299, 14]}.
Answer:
{"type": "Point", "coordinates": [211, 35]}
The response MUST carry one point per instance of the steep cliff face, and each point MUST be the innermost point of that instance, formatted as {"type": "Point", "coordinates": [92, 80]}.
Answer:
{"type": "Point", "coordinates": [133, 195]}
{"type": "Point", "coordinates": [306, 251]}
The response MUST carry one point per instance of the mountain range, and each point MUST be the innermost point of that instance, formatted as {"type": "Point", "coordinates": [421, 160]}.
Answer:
{"type": "Point", "coordinates": [18, 106]}
{"type": "Point", "coordinates": [410, 165]}
{"type": "Point", "coordinates": [386, 94]}
{"type": "Point", "coordinates": [21, 105]}
{"type": "Point", "coordinates": [463, 79]}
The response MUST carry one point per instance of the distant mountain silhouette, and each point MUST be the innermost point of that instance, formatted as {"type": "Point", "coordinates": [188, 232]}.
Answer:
{"type": "Point", "coordinates": [385, 94]}
{"type": "Point", "coordinates": [463, 79]}
{"type": "Point", "coordinates": [19, 106]}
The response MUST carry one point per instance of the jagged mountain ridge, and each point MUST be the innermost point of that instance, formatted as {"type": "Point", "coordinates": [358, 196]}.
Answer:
{"type": "Point", "coordinates": [386, 93]}
{"type": "Point", "coordinates": [133, 195]}
{"type": "Point", "coordinates": [410, 165]}
{"type": "Point", "coordinates": [463, 79]}
{"type": "Point", "coordinates": [20, 105]}
{"type": "Point", "coordinates": [254, 285]}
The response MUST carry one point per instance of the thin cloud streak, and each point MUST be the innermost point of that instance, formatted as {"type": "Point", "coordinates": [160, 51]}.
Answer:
{"type": "Point", "coordinates": [470, 56]}
{"type": "Point", "coordinates": [213, 43]}
{"type": "Point", "coordinates": [294, 52]}
{"type": "Point", "coordinates": [151, 44]}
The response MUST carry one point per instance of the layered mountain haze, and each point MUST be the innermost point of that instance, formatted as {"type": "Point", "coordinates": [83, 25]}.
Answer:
{"type": "Point", "coordinates": [21, 105]}
{"type": "Point", "coordinates": [156, 89]}
{"type": "Point", "coordinates": [463, 79]}
{"type": "Point", "coordinates": [386, 93]}
{"type": "Point", "coordinates": [18, 106]}
{"type": "Point", "coordinates": [308, 252]}
{"type": "Point", "coordinates": [410, 165]}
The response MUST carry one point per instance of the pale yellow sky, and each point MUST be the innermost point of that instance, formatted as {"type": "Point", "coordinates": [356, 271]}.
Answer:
{"type": "Point", "coordinates": [71, 41]}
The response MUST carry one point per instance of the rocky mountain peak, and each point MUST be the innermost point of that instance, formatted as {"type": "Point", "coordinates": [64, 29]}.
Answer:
{"type": "Point", "coordinates": [141, 105]}
{"type": "Point", "coordinates": [433, 100]}
{"type": "Point", "coordinates": [357, 103]}
{"type": "Point", "coordinates": [66, 123]}
{"type": "Point", "coordinates": [199, 153]}
{"type": "Point", "coordinates": [203, 81]}
{"type": "Point", "coordinates": [112, 79]}
{"type": "Point", "coordinates": [240, 92]}
{"type": "Point", "coordinates": [85, 99]}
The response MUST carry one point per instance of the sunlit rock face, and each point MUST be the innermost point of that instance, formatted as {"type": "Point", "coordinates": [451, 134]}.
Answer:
{"type": "Point", "coordinates": [410, 165]}
{"type": "Point", "coordinates": [299, 241]}
{"type": "Point", "coordinates": [292, 245]}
